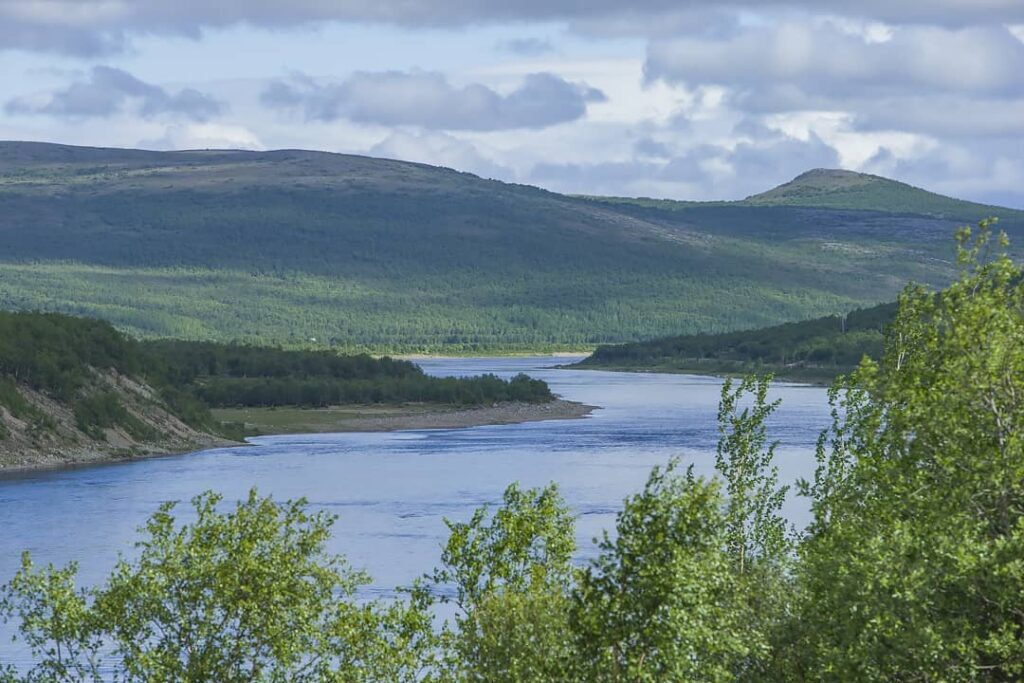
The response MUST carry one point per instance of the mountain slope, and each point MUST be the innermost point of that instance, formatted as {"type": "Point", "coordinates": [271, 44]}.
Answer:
{"type": "Point", "coordinates": [308, 248]}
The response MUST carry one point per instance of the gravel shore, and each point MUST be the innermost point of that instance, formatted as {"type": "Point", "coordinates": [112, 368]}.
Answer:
{"type": "Point", "coordinates": [504, 413]}
{"type": "Point", "coordinates": [343, 420]}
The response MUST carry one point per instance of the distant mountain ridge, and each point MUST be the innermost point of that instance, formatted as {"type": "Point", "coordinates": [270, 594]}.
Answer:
{"type": "Point", "coordinates": [319, 249]}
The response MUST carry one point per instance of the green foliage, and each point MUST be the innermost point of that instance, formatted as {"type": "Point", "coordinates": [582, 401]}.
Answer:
{"type": "Point", "coordinates": [19, 407]}
{"type": "Point", "coordinates": [509, 573]}
{"type": "Point", "coordinates": [812, 349]}
{"type": "Point", "coordinates": [13, 400]}
{"type": "Point", "coordinates": [54, 353]}
{"type": "Point", "coordinates": [247, 595]}
{"type": "Point", "coordinates": [659, 603]}
{"type": "Point", "coordinates": [230, 375]}
{"type": "Point", "coordinates": [63, 357]}
{"type": "Point", "coordinates": [755, 528]}
{"type": "Point", "coordinates": [416, 388]}
{"type": "Point", "coordinates": [912, 569]}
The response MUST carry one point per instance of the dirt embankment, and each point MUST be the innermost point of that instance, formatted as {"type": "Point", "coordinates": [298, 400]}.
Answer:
{"type": "Point", "coordinates": [48, 435]}
{"type": "Point", "coordinates": [387, 418]}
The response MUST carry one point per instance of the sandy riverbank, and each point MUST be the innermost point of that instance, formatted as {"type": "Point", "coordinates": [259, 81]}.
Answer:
{"type": "Point", "coordinates": [268, 421]}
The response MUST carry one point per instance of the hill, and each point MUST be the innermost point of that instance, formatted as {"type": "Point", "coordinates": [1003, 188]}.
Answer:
{"type": "Point", "coordinates": [838, 189]}
{"type": "Point", "coordinates": [315, 249]}
{"type": "Point", "coordinates": [816, 350]}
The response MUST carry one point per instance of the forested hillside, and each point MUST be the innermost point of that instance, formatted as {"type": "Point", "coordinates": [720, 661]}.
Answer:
{"type": "Point", "coordinates": [75, 389]}
{"type": "Point", "coordinates": [816, 349]}
{"type": "Point", "coordinates": [314, 249]}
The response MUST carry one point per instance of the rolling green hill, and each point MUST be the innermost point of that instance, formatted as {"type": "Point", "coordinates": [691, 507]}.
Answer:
{"type": "Point", "coordinates": [838, 189]}
{"type": "Point", "coordinates": [818, 349]}
{"type": "Point", "coordinates": [314, 249]}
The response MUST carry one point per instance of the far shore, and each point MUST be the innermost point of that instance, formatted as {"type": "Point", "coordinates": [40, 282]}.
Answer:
{"type": "Point", "coordinates": [818, 377]}
{"type": "Point", "coordinates": [456, 356]}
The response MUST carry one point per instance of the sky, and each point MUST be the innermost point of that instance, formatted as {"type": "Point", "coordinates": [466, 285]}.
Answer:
{"type": "Point", "coordinates": [684, 99]}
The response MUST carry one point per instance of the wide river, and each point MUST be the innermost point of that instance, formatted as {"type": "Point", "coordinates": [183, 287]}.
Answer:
{"type": "Point", "coordinates": [392, 491]}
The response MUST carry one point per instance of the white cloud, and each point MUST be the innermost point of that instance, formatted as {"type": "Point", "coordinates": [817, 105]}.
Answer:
{"type": "Point", "coordinates": [428, 100]}
{"type": "Point", "coordinates": [819, 58]}
{"type": "Point", "coordinates": [98, 26]}
{"type": "Point", "coordinates": [107, 91]}
{"type": "Point", "coordinates": [439, 149]}
{"type": "Point", "coordinates": [204, 136]}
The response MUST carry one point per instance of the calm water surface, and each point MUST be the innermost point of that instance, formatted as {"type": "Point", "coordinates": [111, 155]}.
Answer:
{"type": "Point", "coordinates": [391, 491]}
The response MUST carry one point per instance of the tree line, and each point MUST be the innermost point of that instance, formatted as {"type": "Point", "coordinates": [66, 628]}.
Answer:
{"type": "Point", "coordinates": [59, 355]}
{"type": "Point", "coordinates": [910, 569]}
{"type": "Point", "coordinates": [832, 345]}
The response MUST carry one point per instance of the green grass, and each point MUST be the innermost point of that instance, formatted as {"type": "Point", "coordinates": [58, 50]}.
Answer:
{"type": "Point", "coordinates": [255, 421]}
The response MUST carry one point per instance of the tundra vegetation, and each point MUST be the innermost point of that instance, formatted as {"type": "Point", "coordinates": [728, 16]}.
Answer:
{"type": "Point", "coordinates": [911, 569]}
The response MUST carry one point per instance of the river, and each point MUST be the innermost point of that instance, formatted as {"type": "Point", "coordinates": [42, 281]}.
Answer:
{"type": "Point", "coordinates": [391, 491]}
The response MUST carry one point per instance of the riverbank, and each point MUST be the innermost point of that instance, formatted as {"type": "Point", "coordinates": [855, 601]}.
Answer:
{"type": "Point", "coordinates": [274, 421]}
{"type": "Point", "coordinates": [822, 377]}
{"type": "Point", "coordinates": [578, 353]}
{"type": "Point", "coordinates": [376, 418]}
{"type": "Point", "coordinates": [72, 456]}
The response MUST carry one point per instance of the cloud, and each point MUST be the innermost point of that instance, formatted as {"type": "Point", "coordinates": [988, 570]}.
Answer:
{"type": "Point", "coordinates": [428, 100]}
{"type": "Point", "coordinates": [439, 149]}
{"type": "Point", "coordinates": [651, 148]}
{"type": "Point", "coordinates": [204, 136]}
{"type": "Point", "coordinates": [702, 171]}
{"type": "Point", "coordinates": [527, 47]}
{"type": "Point", "coordinates": [91, 27]}
{"type": "Point", "coordinates": [946, 84]}
{"type": "Point", "coordinates": [801, 58]}
{"type": "Point", "coordinates": [927, 91]}
{"type": "Point", "coordinates": [943, 116]}
{"type": "Point", "coordinates": [107, 91]}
